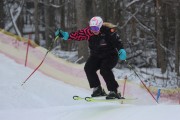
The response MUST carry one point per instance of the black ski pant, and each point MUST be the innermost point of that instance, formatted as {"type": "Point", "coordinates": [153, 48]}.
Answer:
{"type": "Point", "coordinates": [105, 65]}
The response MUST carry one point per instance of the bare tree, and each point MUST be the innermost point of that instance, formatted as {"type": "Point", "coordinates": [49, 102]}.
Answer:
{"type": "Point", "coordinates": [36, 21]}
{"type": "Point", "coordinates": [2, 14]}
{"type": "Point", "coordinates": [81, 23]}
{"type": "Point", "coordinates": [177, 38]}
{"type": "Point", "coordinates": [160, 22]}
{"type": "Point", "coordinates": [64, 11]}
{"type": "Point", "coordinates": [14, 15]}
{"type": "Point", "coordinates": [49, 22]}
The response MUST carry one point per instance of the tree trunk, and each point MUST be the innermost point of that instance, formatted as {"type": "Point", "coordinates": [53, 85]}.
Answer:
{"type": "Point", "coordinates": [160, 22]}
{"type": "Point", "coordinates": [20, 23]}
{"type": "Point", "coordinates": [47, 21]}
{"type": "Point", "coordinates": [177, 39]}
{"type": "Point", "coordinates": [89, 9]}
{"type": "Point", "coordinates": [2, 14]}
{"type": "Point", "coordinates": [158, 29]}
{"type": "Point", "coordinates": [62, 24]}
{"type": "Point", "coordinates": [51, 22]}
{"type": "Point", "coordinates": [81, 23]}
{"type": "Point", "coordinates": [123, 33]}
{"type": "Point", "coordinates": [165, 38]}
{"type": "Point", "coordinates": [36, 21]}
{"type": "Point", "coordinates": [133, 27]}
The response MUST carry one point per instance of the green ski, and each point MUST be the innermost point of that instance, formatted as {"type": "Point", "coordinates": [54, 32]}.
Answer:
{"type": "Point", "coordinates": [100, 99]}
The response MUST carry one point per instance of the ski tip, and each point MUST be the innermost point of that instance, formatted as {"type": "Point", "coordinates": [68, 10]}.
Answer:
{"type": "Point", "coordinates": [88, 99]}
{"type": "Point", "coordinates": [76, 97]}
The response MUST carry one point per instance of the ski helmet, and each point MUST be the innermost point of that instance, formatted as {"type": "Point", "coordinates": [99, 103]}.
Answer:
{"type": "Point", "coordinates": [96, 23]}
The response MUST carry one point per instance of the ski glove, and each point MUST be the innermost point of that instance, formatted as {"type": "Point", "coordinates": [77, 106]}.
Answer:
{"type": "Point", "coordinates": [62, 34]}
{"type": "Point", "coordinates": [122, 54]}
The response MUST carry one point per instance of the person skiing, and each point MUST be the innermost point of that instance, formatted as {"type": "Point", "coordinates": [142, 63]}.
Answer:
{"type": "Point", "coordinates": [105, 48]}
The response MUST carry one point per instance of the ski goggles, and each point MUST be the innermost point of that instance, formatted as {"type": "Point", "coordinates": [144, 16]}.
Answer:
{"type": "Point", "coordinates": [94, 28]}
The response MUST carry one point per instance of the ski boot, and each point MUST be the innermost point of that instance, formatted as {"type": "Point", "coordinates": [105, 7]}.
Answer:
{"type": "Point", "coordinates": [98, 91]}
{"type": "Point", "coordinates": [114, 95]}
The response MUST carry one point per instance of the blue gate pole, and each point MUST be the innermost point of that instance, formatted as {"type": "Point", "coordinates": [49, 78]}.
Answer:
{"type": "Point", "coordinates": [158, 95]}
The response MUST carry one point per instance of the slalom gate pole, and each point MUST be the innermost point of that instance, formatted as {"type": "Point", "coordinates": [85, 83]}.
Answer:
{"type": "Point", "coordinates": [179, 95]}
{"type": "Point", "coordinates": [158, 94]}
{"type": "Point", "coordinates": [40, 62]}
{"type": "Point", "coordinates": [27, 51]}
{"type": "Point", "coordinates": [124, 87]}
{"type": "Point", "coordinates": [141, 81]}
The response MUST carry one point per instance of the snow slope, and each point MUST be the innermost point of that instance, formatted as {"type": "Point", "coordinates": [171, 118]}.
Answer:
{"type": "Point", "coordinates": [44, 98]}
{"type": "Point", "coordinates": [74, 74]}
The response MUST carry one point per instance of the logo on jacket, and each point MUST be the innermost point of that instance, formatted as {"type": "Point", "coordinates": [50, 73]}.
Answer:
{"type": "Point", "coordinates": [103, 42]}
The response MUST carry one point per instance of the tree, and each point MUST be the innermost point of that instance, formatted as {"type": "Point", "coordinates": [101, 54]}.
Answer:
{"type": "Point", "coordinates": [49, 22]}
{"type": "Point", "coordinates": [36, 21]}
{"type": "Point", "coordinates": [14, 10]}
{"type": "Point", "coordinates": [160, 24]}
{"type": "Point", "coordinates": [177, 39]}
{"type": "Point", "coordinates": [2, 14]}
{"type": "Point", "coordinates": [64, 10]}
{"type": "Point", "coordinates": [81, 23]}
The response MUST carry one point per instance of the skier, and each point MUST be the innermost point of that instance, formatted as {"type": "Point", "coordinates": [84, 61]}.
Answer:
{"type": "Point", "coordinates": [105, 49]}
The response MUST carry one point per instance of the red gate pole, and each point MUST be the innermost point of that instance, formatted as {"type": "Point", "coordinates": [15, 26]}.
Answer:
{"type": "Point", "coordinates": [124, 87]}
{"type": "Point", "coordinates": [142, 82]}
{"type": "Point", "coordinates": [41, 61]}
{"type": "Point", "coordinates": [27, 50]}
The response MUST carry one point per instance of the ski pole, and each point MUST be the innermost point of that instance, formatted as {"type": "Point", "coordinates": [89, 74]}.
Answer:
{"type": "Point", "coordinates": [40, 62]}
{"type": "Point", "coordinates": [141, 81]}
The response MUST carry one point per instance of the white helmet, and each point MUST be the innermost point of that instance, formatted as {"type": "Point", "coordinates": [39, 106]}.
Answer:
{"type": "Point", "coordinates": [96, 21]}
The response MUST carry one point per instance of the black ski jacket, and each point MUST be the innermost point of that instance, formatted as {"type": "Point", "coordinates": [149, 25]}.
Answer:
{"type": "Point", "coordinates": [105, 43]}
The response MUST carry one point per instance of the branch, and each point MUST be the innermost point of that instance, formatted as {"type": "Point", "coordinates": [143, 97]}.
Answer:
{"type": "Point", "coordinates": [132, 15]}
{"type": "Point", "coordinates": [131, 3]}
{"type": "Point", "coordinates": [156, 76]}
{"type": "Point", "coordinates": [14, 18]}
{"type": "Point", "coordinates": [53, 5]}
{"type": "Point", "coordinates": [146, 27]}
{"type": "Point", "coordinates": [135, 54]}
{"type": "Point", "coordinates": [153, 34]}
{"type": "Point", "coordinates": [128, 20]}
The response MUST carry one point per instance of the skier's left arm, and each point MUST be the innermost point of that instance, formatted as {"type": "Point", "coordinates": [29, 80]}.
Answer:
{"type": "Point", "coordinates": [117, 43]}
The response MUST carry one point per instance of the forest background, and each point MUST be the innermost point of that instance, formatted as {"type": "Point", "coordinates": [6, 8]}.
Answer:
{"type": "Point", "coordinates": [149, 29]}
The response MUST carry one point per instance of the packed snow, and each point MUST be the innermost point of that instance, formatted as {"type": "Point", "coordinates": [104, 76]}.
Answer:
{"type": "Point", "coordinates": [44, 98]}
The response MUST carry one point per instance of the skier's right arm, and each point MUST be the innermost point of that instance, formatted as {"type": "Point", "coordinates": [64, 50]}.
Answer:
{"type": "Point", "coordinates": [83, 34]}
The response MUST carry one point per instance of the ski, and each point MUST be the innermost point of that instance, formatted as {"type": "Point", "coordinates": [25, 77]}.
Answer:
{"type": "Point", "coordinates": [100, 99]}
{"type": "Point", "coordinates": [78, 98]}
{"type": "Point", "coordinates": [90, 99]}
